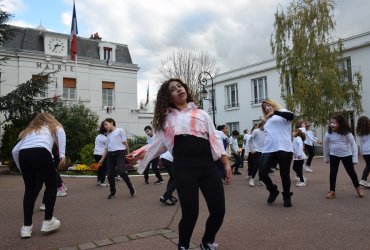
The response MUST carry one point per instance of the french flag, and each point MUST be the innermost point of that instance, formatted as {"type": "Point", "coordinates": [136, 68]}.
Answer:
{"type": "Point", "coordinates": [74, 32]}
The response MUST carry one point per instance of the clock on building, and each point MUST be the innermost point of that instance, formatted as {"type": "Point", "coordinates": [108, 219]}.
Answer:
{"type": "Point", "coordinates": [56, 46]}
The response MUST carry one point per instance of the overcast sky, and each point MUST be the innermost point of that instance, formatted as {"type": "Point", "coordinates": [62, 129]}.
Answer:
{"type": "Point", "coordinates": [236, 33]}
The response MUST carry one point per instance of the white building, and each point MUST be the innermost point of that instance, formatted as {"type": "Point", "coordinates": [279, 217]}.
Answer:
{"type": "Point", "coordinates": [104, 78]}
{"type": "Point", "coordinates": [239, 92]}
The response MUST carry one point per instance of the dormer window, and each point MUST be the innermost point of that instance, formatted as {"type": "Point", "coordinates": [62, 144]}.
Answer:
{"type": "Point", "coordinates": [107, 51]}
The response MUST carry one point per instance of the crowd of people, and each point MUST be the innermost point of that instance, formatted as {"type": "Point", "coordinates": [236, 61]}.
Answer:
{"type": "Point", "coordinates": [178, 125]}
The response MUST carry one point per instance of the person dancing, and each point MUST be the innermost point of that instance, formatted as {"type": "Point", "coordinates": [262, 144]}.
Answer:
{"type": "Point", "coordinates": [363, 130]}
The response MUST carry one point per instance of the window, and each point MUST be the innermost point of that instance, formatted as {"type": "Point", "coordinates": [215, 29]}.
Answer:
{"type": "Point", "coordinates": [107, 53]}
{"type": "Point", "coordinates": [69, 88]}
{"type": "Point", "coordinates": [107, 93]}
{"type": "Point", "coordinates": [259, 86]}
{"type": "Point", "coordinates": [43, 92]}
{"type": "Point", "coordinates": [233, 126]}
{"type": "Point", "coordinates": [345, 70]}
{"type": "Point", "coordinates": [232, 96]}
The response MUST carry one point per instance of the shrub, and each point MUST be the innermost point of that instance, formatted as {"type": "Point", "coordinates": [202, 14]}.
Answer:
{"type": "Point", "coordinates": [86, 154]}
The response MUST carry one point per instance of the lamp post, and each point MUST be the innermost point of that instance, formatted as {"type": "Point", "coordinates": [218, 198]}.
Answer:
{"type": "Point", "coordinates": [202, 78]}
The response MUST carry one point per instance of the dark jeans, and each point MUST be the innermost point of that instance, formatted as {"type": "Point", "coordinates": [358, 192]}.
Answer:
{"type": "Point", "coordinates": [267, 160]}
{"type": "Point", "coordinates": [237, 162]}
{"type": "Point", "coordinates": [250, 164]}
{"type": "Point", "coordinates": [242, 157]}
{"type": "Point", "coordinates": [116, 164]}
{"type": "Point", "coordinates": [188, 182]}
{"type": "Point", "coordinates": [37, 168]}
{"type": "Point", "coordinates": [366, 172]}
{"type": "Point", "coordinates": [171, 185]}
{"type": "Point", "coordinates": [220, 168]}
{"type": "Point", "coordinates": [348, 165]}
{"type": "Point", "coordinates": [155, 170]}
{"type": "Point", "coordinates": [298, 168]}
{"type": "Point", "coordinates": [102, 170]}
{"type": "Point", "coordinates": [256, 158]}
{"type": "Point", "coordinates": [311, 153]}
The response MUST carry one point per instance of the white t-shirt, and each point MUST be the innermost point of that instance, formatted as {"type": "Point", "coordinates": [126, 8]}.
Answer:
{"type": "Point", "coordinates": [168, 156]}
{"type": "Point", "coordinates": [256, 141]}
{"type": "Point", "coordinates": [340, 145]}
{"type": "Point", "coordinates": [365, 144]}
{"type": "Point", "coordinates": [101, 144]}
{"type": "Point", "coordinates": [245, 140]}
{"type": "Point", "coordinates": [222, 136]}
{"type": "Point", "coordinates": [150, 139]}
{"type": "Point", "coordinates": [234, 144]}
{"type": "Point", "coordinates": [116, 138]}
{"type": "Point", "coordinates": [278, 134]}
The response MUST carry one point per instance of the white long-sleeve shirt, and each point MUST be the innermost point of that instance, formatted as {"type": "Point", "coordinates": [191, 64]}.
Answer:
{"type": "Point", "coordinates": [256, 142]}
{"type": "Point", "coordinates": [298, 149]}
{"type": "Point", "coordinates": [365, 144]}
{"type": "Point", "coordinates": [234, 144]}
{"type": "Point", "coordinates": [246, 138]}
{"type": "Point", "coordinates": [41, 139]}
{"type": "Point", "coordinates": [310, 138]}
{"type": "Point", "coordinates": [101, 144]}
{"type": "Point", "coordinates": [340, 145]}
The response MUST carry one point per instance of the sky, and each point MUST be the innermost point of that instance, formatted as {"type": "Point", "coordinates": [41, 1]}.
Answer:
{"type": "Point", "coordinates": [235, 33]}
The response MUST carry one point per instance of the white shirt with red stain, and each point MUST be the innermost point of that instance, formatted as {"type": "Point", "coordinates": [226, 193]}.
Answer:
{"type": "Point", "coordinates": [190, 121]}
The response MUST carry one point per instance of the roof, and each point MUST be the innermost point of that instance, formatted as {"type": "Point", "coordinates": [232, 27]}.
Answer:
{"type": "Point", "coordinates": [33, 39]}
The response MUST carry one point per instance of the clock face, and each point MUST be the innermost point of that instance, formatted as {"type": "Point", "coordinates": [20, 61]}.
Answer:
{"type": "Point", "coordinates": [57, 46]}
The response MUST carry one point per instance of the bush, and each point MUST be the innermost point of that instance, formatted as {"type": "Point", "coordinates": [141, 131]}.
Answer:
{"type": "Point", "coordinates": [86, 154]}
{"type": "Point", "coordinates": [136, 142]}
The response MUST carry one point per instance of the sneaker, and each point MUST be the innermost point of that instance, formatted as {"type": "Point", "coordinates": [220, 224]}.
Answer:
{"type": "Point", "coordinates": [308, 169]}
{"type": "Point", "coordinates": [237, 173]}
{"type": "Point", "coordinates": [300, 184]}
{"type": "Point", "coordinates": [117, 178]}
{"type": "Point", "coordinates": [65, 187]}
{"type": "Point", "coordinates": [259, 183]}
{"type": "Point", "coordinates": [132, 192]}
{"type": "Point", "coordinates": [98, 183]}
{"type": "Point", "coordinates": [364, 183]}
{"type": "Point", "coordinates": [251, 182]}
{"type": "Point", "coordinates": [112, 195]}
{"type": "Point", "coordinates": [26, 231]}
{"type": "Point", "coordinates": [174, 199]}
{"type": "Point", "coordinates": [208, 246]}
{"type": "Point", "coordinates": [50, 225]}
{"type": "Point", "coordinates": [248, 177]}
{"type": "Point", "coordinates": [42, 207]}
{"type": "Point", "coordinates": [103, 185]}
{"type": "Point", "coordinates": [159, 182]}
{"type": "Point", "coordinates": [296, 179]}
{"type": "Point", "coordinates": [183, 248]}
{"type": "Point", "coordinates": [61, 192]}
{"type": "Point", "coordinates": [167, 202]}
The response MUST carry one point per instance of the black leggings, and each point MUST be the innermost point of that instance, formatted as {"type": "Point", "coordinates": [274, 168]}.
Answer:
{"type": "Point", "coordinates": [311, 153]}
{"type": "Point", "coordinates": [366, 172]}
{"type": "Point", "coordinates": [267, 160]}
{"type": "Point", "coordinates": [348, 165]}
{"type": "Point", "coordinates": [155, 169]}
{"type": "Point", "coordinates": [171, 185]}
{"type": "Point", "coordinates": [116, 164]}
{"type": "Point", "coordinates": [298, 168]}
{"type": "Point", "coordinates": [37, 168]}
{"type": "Point", "coordinates": [188, 182]}
{"type": "Point", "coordinates": [102, 170]}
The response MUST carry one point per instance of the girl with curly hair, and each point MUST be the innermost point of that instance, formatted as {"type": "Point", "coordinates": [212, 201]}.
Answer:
{"type": "Point", "coordinates": [363, 131]}
{"type": "Point", "coordinates": [339, 145]}
{"type": "Point", "coordinates": [189, 134]}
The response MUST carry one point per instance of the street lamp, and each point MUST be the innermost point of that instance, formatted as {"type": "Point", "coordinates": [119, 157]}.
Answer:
{"type": "Point", "coordinates": [202, 78]}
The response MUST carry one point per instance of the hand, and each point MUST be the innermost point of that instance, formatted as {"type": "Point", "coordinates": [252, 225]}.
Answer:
{"type": "Point", "coordinates": [319, 142]}
{"type": "Point", "coordinates": [132, 158]}
{"type": "Point", "coordinates": [228, 173]}
{"type": "Point", "coordinates": [61, 162]}
{"type": "Point", "coordinates": [100, 163]}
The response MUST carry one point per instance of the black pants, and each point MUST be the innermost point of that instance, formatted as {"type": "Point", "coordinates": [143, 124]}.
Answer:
{"type": "Point", "coordinates": [220, 168]}
{"type": "Point", "coordinates": [237, 162]}
{"type": "Point", "coordinates": [256, 159]}
{"type": "Point", "coordinates": [155, 169]}
{"type": "Point", "coordinates": [37, 168]}
{"type": "Point", "coordinates": [366, 172]}
{"type": "Point", "coordinates": [102, 170]}
{"type": "Point", "coordinates": [298, 169]}
{"type": "Point", "coordinates": [242, 157]}
{"type": "Point", "coordinates": [348, 165]}
{"type": "Point", "coordinates": [116, 164]}
{"type": "Point", "coordinates": [311, 153]}
{"type": "Point", "coordinates": [171, 185]}
{"type": "Point", "coordinates": [267, 160]}
{"type": "Point", "coordinates": [188, 182]}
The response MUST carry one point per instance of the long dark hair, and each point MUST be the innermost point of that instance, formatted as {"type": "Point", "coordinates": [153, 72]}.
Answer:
{"type": "Point", "coordinates": [363, 126]}
{"type": "Point", "coordinates": [343, 126]}
{"type": "Point", "coordinates": [164, 101]}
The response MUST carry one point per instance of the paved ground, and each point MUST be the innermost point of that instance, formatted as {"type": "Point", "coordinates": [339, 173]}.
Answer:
{"type": "Point", "coordinates": [89, 220]}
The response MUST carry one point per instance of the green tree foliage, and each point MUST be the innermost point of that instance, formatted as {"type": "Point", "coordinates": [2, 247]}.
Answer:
{"type": "Point", "coordinates": [6, 31]}
{"type": "Point", "coordinates": [313, 84]}
{"type": "Point", "coordinates": [80, 125]}
{"type": "Point", "coordinates": [87, 154]}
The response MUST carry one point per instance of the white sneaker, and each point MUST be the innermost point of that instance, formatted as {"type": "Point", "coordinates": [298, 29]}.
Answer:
{"type": "Point", "coordinates": [64, 186]}
{"type": "Point", "coordinates": [42, 207]}
{"type": "Point", "coordinates": [117, 178]}
{"type": "Point", "coordinates": [61, 192]}
{"type": "Point", "coordinates": [26, 231]}
{"type": "Point", "coordinates": [251, 182]}
{"type": "Point", "coordinates": [300, 184]}
{"type": "Point", "coordinates": [208, 246]}
{"type": "Point", "coordinates": [308, 169]}
{"type": "Point", "coordinates": [259, 183]}
{"type": "Point", "coordinates": [296, 179]}
{"type": "Point", "coordinates": [365, 184]}
{"type": "Point", "coordinates": [248, 177]}
{"type": "Point", "coordinates": [50, 225]}
{"type": "Point", "coordinates": [305, 179]}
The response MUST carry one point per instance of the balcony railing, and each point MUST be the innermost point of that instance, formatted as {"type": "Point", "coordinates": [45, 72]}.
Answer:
{"type": "Point", "coordinates": [232, 105]}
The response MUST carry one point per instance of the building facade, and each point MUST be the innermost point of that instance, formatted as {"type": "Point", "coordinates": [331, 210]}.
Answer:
{"type": "Point", "coordinates": [103, 77]}
{"type": "Point", "coordinates": [238, 93]}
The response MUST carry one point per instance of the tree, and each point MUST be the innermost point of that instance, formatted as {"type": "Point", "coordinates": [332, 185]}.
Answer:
{"type": "Point", "coordinates": [6, 31]}
{"type": "Point", "coordinates": [187, 65]}
{"type": "Point", "coordinates": [80, 125]}
{"type": "Point", "coordinates": [313, 81]}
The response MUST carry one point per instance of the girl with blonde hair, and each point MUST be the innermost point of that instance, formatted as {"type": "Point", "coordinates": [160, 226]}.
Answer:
{"type": "Point", "coordinates": [33, 156]}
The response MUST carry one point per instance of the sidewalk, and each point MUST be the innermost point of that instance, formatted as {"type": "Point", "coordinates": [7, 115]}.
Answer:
{"type": "Point", "coordinates": [90, 221]}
